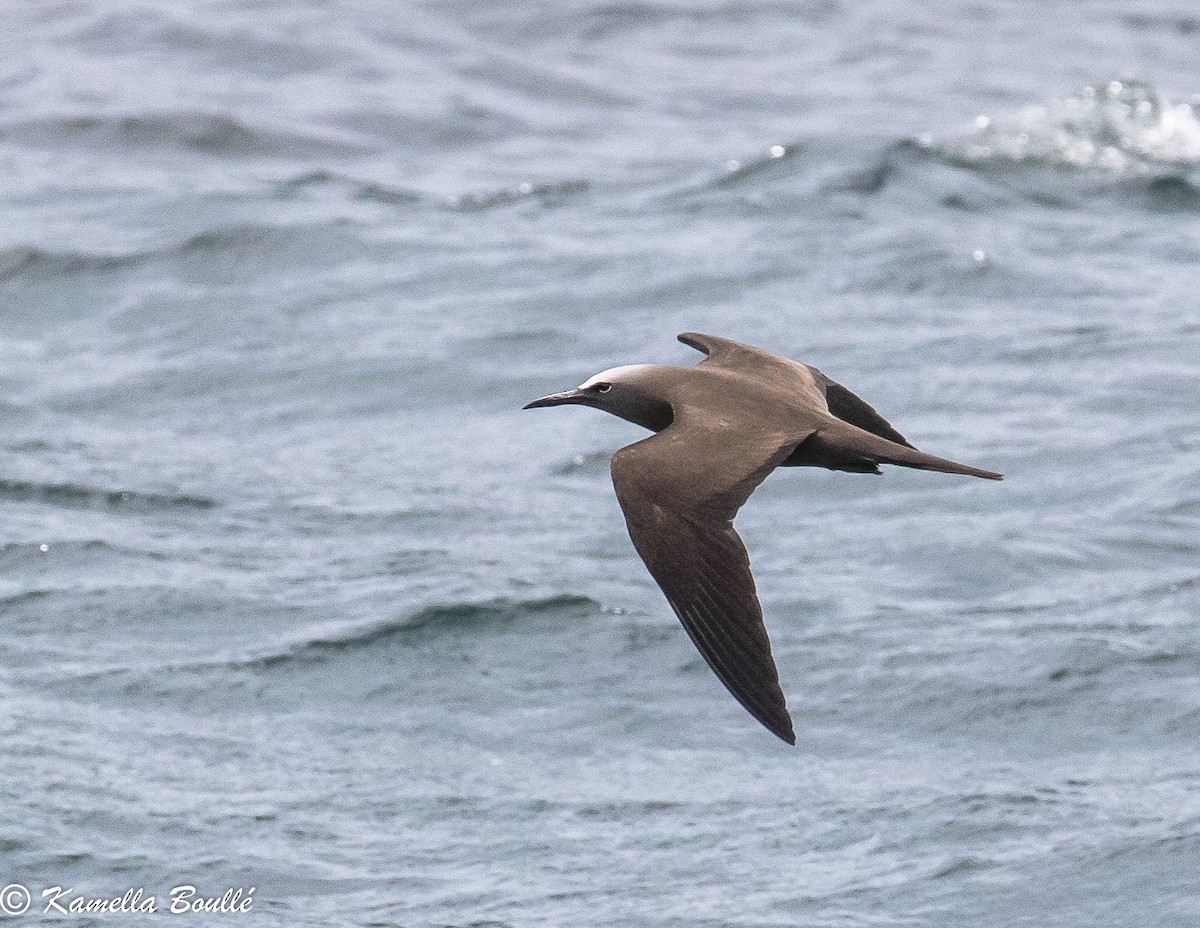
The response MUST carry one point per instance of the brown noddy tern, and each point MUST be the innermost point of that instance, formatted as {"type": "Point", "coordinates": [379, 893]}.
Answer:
{"type": "Point", "coordinates": [720, 428]}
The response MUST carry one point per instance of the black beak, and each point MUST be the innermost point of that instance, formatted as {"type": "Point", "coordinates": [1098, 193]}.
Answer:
{"type": "Point", "coordinates": [558, 399]}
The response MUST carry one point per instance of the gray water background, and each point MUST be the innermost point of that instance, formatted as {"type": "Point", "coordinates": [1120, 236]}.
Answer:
{"type": "Point", "coordinates": [294, 596]}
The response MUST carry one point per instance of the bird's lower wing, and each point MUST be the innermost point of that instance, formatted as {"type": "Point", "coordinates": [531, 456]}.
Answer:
{"type": "Point", "coordinates": [704, 571]}
{"type": "Point", "coordinates": [680, 490]}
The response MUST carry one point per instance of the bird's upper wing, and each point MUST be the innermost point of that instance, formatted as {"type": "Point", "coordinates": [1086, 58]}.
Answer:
{"type": "Point", "coordinates": [769, 370]}
{"type": "Point", "coordinates": [799, 378]}
{"type": "Point", "coordinates": [680, 490]}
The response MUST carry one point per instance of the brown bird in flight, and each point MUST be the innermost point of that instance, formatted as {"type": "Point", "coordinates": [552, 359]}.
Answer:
{"type": "Point", "coordinates": [721, 427]}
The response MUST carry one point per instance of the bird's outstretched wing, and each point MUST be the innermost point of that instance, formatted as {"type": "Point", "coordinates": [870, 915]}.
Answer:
{"type": "Point", "coordinates": [680, 490]}
{"type": "Point", "coordinates": [800, 378]}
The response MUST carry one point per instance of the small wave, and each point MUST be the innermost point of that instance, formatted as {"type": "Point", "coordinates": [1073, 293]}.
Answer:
{"type": "Point", "coordinates": [544, 194]}
{"type": "Point", "coordinates": [1146, 598]}
{"type": "Point", "coordinates": [250, 249]}
{"type": "Point", "coordinates": [1090, 659]}
{"type": "Point", "coordinates": [1116, 128]}
{"type": "Point", "coordinates": [371, 192]}
{"type": "Point", "coordinates": [457, 617]}
{"type": "Point", "coordinates": [24, 596]}
{"type": "Point", "coordinates": [363, 191]}
{"type": "Point", "coordinates": [28, 260]}
{"type": "Point", "coordinates": [75, 496]}
{"type": "Point", "coordinates": [962, 866]}
{"type": "Point", "coordinates": [26, 264]}
{"type": "Point", "coordinates": [205, 133]}
{"type": "Point", "coordinates": [873, 176]}
{"type": "Point", "coordinates": [1172, 192]}
{"type": "Point", "coordinates": [592, 464]}
{"type": "Point", "coordinates": [305, 181]}
{"type": "Point", "coordinates": [738, 172]}
{"type": "Point", "coordinates": [238, 238]}
{"type": "Point", "coordinates": [17, 557]}
{"type": "Point", "coordinates": [1181, 24]}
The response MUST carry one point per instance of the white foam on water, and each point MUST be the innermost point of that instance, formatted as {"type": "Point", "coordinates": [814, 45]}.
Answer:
{"type": "Point", "coordinates": [1122, 126]}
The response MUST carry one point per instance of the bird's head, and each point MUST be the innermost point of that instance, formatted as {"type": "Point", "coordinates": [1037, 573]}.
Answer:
{"type": "Point", "coordinates": [628, 392]}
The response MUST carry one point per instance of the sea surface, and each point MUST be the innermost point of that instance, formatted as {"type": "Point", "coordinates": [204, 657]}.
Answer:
{"type": "Point", "coordinates": [294, 596]}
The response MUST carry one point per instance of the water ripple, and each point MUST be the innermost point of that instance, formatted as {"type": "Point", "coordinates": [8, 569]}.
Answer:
{"type": "Point", "coordinates": [76, 496]}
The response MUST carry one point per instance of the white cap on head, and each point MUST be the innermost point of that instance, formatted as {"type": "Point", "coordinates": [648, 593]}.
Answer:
{"type": "Point", "coordinates": [614, 375]}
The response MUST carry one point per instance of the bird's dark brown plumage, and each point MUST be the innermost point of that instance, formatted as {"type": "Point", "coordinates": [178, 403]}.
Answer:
{"type": "Point", "coordinates": [720, 428]}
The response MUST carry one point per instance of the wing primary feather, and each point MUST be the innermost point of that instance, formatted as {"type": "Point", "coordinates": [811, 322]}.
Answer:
{"type": "Point", "coordinates": [714, 649]}
{"type": "Point", "coordinates": [745, 666]}
{"type": "Point", "coordinates": [734, 630]}
{"type": "Point", "coordinates": [745, 634]}
{"type": "Point", "coordinates": [732, 662]}
{"type": "Point", "coordinates": [747, 690]}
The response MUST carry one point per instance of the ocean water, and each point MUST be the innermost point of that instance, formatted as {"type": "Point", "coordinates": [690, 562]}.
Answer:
{"type": "Point", "coordinates": [294, 596]}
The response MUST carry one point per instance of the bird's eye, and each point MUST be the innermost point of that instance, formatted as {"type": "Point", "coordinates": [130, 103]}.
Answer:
{"type": "Point", "coordinates": [603, 387]}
